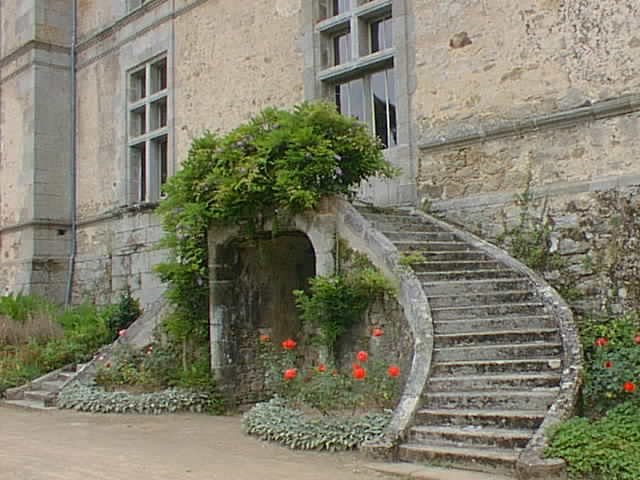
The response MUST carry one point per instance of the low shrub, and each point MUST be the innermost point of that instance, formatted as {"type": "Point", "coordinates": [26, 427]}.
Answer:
{"type": "Point", "coordinates": [603, 449]}
{"type": "Point", "coordinates": [275, 421]}
{"type": "Point", "coordinates": [94, 399]}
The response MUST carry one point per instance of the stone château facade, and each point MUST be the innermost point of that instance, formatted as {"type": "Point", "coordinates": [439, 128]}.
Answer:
{"type": "Point", "coordinates": [475, 99]}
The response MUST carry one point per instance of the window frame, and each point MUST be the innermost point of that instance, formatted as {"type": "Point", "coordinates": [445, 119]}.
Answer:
{"type": "Point", "coordinates": [363, 63]}
{"type": "Point", "coordinates": [150, 140]}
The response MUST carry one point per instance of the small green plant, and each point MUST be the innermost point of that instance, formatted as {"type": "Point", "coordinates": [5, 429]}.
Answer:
{"type": "Point", "coordinates": [409, 258]}
{"type": "Point", "coordinates": [335, 303]}
{"type": "Point", "coordinates": [603, 449]}
{"type": "Point", "coordinates": [123, 313]}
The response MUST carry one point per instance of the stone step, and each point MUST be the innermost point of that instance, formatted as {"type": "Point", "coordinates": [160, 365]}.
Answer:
{"type": "Point", "coordinates": [419, 235]}
{"type": "Point", "coordinates": [488, 310]}
{"type": "Point", "coordinates": [455, 255]}
{"type": "Point", "coordinates": [497, 352]}
{"type": "Point", "coordinates": [470, 299]}
{"type": "Point", "coordinates": [452, 275]}
{"type": "Point", "coordinates": [538, 399]}
{"type": "Point", "coordinates": [510, 322]}
{"type": "Point", "coordinates": [522, 335]}
{"type": "Point", "coordinates": [477, 285]}
{"type": "Point", "coordinates": [482, 459]}
{"type": "Point", "coordinates": [496, 367]}
{"type": "Point", "coordinates": [502, 382]}
{"type": "Point", "coordinates": [512, 419]}
{"type": "Point", "coordinates": [45, 398]}
{"type": "Point", "coordinates": [470, 436]}
{"type": "Point", "coordinates": [28, 404]}
{"type": "Point", "coordinates": [52, 386]}
{"type": "Point", "coordinates": [429, 265]}
{"type": "Point", "coordinates": [433, 246]}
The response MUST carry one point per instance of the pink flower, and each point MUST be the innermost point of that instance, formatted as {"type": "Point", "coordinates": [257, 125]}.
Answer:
{"type": "Point", "coordinates": [122, 333]}
{"type": "Point", "coordinates": [601, 342]}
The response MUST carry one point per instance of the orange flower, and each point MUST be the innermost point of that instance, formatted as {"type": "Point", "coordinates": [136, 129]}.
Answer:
{"type": "Point", "coordinates": [359, 373]}
{"type": "Point", "coordinates": [290, 373]}
{"type": "Point", "coordinates": [362, 356]}
{"type": "Point", "coordinates": [289, 344]}
{"type": "Point", "coordinates": [393, 371]}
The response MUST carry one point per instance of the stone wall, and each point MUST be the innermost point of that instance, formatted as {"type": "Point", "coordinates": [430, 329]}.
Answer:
{"type": "Point", "coordinates": [478, 60]}
{"type": "Point", "coordinates": [595, 233]}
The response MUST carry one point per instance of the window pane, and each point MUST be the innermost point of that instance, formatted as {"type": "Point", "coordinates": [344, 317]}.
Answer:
{"type": "Point", "coordinates": [341, 6]}
{"type": "Point", "coordinates": [137, 124]}
{"type": "Point", "coordinates": [159, 76]}
{"type": "Point", "coordinates": [341, 48]}
{"type": "Point", "coordinates": [138, 160]}
{"type": "Point", "coordinates": [350, 99]}
{"type": "Point", "coordinates": [138, 86]}
{"type": "Point", "coordinates": [158, 114]}
{"type": "Point", "coordinates": [392, 103]}
{"type": "Point", "coordinates": [162, 158]}
{"type": "Point", "coordinates": [381, 32]}
{"type": "Point", "coordinates": [379, 107]}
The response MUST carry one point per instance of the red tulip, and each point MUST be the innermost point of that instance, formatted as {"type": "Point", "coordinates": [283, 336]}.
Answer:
{"type": "Point", "coordinates": [290, 373]}
{"type": "Point", "coordinates": [289, 344]}
{"type": "Point", "coordinates": [362, 356]}
{"type": "Point", "coordinates": [393, 371]}
{"type": "Point", "coordinates": [377, 332]}
{"type": "Point", "coordinates": [601, 342]}
{"type": "Point", "coordinates": [608, 364]}
{"type": "Point", "coordinates": [321, 368]}
{"type": "Point", "coordinates": [628, 387]}
{"type": "Point", "coordinates": [359, 373]}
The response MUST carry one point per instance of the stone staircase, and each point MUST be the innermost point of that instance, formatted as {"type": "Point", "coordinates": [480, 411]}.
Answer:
{"type": "Point", "coordinates": [497, 357]}
{"type": "Point", "coordinates": [41, 393]}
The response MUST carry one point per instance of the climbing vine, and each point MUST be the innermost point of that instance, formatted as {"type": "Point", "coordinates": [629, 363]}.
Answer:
{"type": "Point", "coordinates": [277, 164]}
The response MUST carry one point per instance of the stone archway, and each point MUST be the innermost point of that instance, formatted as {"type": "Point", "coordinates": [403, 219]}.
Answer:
{"type": "Point", "coordinates": [251, 284]}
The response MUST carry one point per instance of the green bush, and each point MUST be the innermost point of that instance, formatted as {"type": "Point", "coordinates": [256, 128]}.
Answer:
{"type": "Point", "coordinates": [123, 314]}
{"type": "Point", "coordinates": [275, 421]}
{"type": "Point", "coordinates": [612, 354]}
{"type": "Point", "coordinates": [278, 164]}
{"type": "Point", "coordinates": [604, 449]}
{"type": "Point", "coordinates": [20, 307]}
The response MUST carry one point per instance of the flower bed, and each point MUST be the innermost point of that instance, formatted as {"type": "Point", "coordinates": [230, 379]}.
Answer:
{"type": "Point", "coordinates": [275, 421]}
{"type": "Point", "coordinates": [94, 399]}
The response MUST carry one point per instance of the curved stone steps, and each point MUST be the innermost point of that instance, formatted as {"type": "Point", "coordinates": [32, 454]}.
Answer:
{"type": "Point", "coordinates": [497, 356]}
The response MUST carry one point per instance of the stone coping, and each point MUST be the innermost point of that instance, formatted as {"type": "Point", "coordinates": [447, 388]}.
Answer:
{"type": "Point", "coordinates": [531, 464]}
{"type": "Point", "coordinates": [361, 235]}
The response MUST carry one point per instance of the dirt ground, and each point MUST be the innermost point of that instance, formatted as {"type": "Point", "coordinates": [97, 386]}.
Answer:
{"type": "Point", "coordinates": [64, 445]}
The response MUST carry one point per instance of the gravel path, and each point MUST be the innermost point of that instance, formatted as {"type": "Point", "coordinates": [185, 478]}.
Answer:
{"type": "Point", "coordinates": [64, 445]}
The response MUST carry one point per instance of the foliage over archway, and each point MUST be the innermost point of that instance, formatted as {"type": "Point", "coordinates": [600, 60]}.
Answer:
{"type": "Point", "coordinates": [278, 163]}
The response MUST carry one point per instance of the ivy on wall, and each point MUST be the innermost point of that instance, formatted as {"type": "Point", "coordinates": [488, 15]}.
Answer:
{"type": "Point", "coordinates": [278, 163]}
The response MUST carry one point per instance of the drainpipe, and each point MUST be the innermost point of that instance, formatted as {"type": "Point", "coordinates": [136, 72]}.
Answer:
{"type": "Point", "coordinates": [73, 200]}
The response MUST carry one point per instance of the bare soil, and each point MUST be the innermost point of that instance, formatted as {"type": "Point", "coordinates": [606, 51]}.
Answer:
{"type": "Point", "coordinates": [66, 445]}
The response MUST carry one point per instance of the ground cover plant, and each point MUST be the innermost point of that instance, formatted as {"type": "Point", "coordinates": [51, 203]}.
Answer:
{"type": "Point", "coordinates": [37, 337]}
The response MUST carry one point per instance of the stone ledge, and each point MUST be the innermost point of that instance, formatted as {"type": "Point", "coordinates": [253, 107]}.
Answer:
{"type": "Point", "coordinates": [420, 472]}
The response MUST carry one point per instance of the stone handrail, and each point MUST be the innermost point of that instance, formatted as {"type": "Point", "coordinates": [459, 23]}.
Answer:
{"type": "Point", "coordinates": [361, 235]}
{"type": "Point", "coordinates": [531, 462]}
